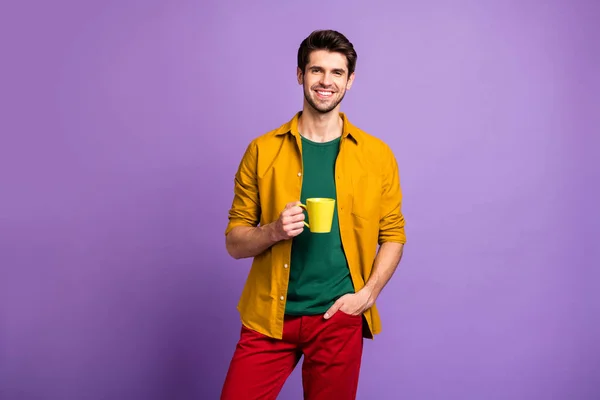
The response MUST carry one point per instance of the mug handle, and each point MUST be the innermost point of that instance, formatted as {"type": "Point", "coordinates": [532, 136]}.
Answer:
{"type": "Point", "coordinates": [304, 207]}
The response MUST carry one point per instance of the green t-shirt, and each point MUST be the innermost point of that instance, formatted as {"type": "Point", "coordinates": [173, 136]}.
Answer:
{"type": "Point", "coordinates": [319, 272]}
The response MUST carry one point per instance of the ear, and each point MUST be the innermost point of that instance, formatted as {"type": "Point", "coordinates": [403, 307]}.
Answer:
{"type": "Point", "coordinates": [350, 81]}
{"type": "Point", "coordinates": [299, 75]}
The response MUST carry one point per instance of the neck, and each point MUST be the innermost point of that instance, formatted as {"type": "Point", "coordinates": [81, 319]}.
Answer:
{"type": "Point", "coordinates": [320, 127]}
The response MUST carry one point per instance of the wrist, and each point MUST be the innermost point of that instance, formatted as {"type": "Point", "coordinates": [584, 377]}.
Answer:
{"type": "Point", "coordinates": [271, 232]}
{"type": "Point", "coordinates": [369, 294]}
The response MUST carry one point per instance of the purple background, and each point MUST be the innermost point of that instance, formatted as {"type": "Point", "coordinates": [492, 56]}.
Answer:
{"type": "Point", "coordinates": [123, 123]}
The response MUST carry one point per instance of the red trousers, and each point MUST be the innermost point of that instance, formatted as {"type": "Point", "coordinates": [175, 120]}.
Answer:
{"type": "Point", "coordinates": [332, 352]}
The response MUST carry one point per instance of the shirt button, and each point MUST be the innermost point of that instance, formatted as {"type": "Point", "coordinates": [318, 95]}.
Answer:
{"type": "Point", "coordinates": [299, 173]}
{"type": "Point", "coordinates": [285, 266]}
{"type": "Point", "coordinates": [281, 298]}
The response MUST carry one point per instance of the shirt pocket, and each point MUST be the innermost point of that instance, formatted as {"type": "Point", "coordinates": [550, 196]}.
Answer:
{"type": "Point", "coordinates": [366, 196]}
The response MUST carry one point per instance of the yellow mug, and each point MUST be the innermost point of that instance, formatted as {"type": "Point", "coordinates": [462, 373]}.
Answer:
{"type": "Point", "coordinates": [320, 214]}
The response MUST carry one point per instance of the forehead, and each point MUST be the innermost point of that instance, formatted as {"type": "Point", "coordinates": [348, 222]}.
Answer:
{"type": "Point", "coordinates": [327, 59]}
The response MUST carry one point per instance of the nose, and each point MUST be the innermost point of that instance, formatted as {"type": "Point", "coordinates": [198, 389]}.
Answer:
{"type": "Point", "coordinates": [326, 79]}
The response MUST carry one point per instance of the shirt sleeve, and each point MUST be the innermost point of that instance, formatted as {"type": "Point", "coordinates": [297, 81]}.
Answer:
{"type": "Point", "coordinates": [245, 208]}
{"type": "Point", "coordinates": [391, 224]}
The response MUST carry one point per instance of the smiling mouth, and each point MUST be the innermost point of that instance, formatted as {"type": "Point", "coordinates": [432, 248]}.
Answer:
{"type": "Point", "coordinates": [324, 93]}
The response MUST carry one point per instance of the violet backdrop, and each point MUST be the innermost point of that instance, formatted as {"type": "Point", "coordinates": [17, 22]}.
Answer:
{"type": "Point", "coordinates": [122, 126]}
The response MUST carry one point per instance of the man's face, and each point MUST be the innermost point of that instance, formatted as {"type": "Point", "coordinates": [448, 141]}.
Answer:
{"type": "Point", "coordinates": [325, 80]}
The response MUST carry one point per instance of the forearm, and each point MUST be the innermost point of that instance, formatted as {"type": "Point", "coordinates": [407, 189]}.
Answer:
{"type": "Point", "coordinates": [245, 241]}
{"type": "Point", "coordinates": [386, 261]}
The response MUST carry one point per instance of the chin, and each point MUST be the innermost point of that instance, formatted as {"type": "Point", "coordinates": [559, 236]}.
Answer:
{"type": "Point", "coordinates": [325, 110]}
{"type": "Point", "coordinates": [320, 107]}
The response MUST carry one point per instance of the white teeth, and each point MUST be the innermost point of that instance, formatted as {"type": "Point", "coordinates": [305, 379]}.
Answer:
{"type": "Point", "coordinates": [324, 93]}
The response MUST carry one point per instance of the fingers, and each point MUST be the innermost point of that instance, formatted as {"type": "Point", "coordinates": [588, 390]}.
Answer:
{"type": "Point", "coordinates": [333, 309]}
{"type": "Point", "coordinates": [292, 211]}
{"type": "Point", "coordinates": [296, 227]}
{"type": "Point", "coordinates": [296, 232]}
{"type": "Point", "coordinates": [292, 214]}
{"type": "Point", "coordinates": [290, 219]}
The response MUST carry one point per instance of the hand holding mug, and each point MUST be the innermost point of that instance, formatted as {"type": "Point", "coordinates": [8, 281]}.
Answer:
{"type": "Point", "coordinates": [290, 222]}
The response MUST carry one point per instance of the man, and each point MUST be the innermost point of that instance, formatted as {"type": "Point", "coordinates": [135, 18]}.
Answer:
{"type": "Point", "coordinates": [313, 294]}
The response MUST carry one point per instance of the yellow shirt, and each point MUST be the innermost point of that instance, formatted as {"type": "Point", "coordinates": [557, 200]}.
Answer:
{"type": "Point", "coordinates": [369, 202]}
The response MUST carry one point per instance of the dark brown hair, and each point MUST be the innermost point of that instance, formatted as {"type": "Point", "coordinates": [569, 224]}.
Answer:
{"type": "Point", "coordinates": [327, 40]}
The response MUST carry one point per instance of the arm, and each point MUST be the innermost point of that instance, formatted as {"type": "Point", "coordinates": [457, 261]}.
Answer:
{"type": "Point", "coordinates": [385, 264]}
{"type": "Point", "coordinates": [391, 240]}
{"type": "Point", "coordinates": [243, 237]}
{"type": "Point", "coordinates": [391, 231]}
{"type": "Point", "coordinates": [246, 241]}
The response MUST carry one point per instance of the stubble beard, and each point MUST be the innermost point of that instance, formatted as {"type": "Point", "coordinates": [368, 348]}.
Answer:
{"type": "Point", "coordinates": [320, 109]}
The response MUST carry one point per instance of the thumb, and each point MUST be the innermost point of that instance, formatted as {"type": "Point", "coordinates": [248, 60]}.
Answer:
{"type": "Point", "coordinates": [333, 309]}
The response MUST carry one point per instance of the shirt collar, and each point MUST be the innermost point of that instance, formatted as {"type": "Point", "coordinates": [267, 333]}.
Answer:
{"type": "Point", "coordinates": [291, 127]}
